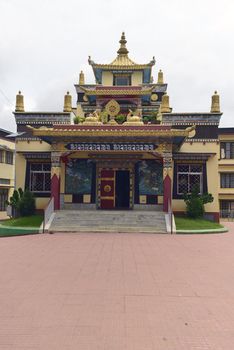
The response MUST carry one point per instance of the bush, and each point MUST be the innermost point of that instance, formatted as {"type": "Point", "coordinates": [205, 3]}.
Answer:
{"type": "Point", "coordinates": [195, 203]}
{"type": "Point", "coordinates": [121, 118]}
{"type": "Point", "coordinates": [27, 204]}
{"type": "Point", "coordinates": [22, 202]}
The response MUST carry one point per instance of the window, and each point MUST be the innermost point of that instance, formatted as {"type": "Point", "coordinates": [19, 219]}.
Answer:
{"type": "Point", "coordinates": [227, 180]}
{"type": "Point", "coordinates": [5, 181]}
{"type": "Point", "coordinates": [9, 157]}
{"type": "Point", "coordinates": [3, 199]}
{"type": "Point", "coordinates": [121, 80]}
{"type": "Point", "coordinates": [226, 209]}
{"type": "Point", "coordinates": [1, 157]}
{"type": "Point", "coordinates": [189, 176]}
{"type": "Point", "coordinates": [227, 150]}
{"type": "Point", "coordinates": [39, 180]}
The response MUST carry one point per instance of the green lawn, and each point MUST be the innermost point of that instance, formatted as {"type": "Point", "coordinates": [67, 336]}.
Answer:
{"type": "Point", "coordinates": [184, 223]}
{"type": "Point", "coordinates": [26, 221]}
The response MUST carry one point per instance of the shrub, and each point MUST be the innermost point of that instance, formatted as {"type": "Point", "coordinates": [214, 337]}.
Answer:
{"type": "Point", "coordinates": [121, 118]}
{"type": "Point", "coordinates": [27, 204]}
{"type": "Point", "coordinates": [195, 203]}
{"type": "Point", "coordinates": [22, 202]}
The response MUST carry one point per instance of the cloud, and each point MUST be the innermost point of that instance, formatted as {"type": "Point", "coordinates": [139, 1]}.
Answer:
{"type": "Point", "coordinates": [46, 45]}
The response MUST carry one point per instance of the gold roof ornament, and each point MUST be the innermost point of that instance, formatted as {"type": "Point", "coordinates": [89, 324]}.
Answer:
{"type": "Point", "coordinates": [165, 105]}
{"type": "Point", "coordinates": [215, 104]}
{"type": "Point", "coordinates": [133, 120]}
{"type": "Point", "coordinates": [160, 77]}
{"type": "Point", "coordinates": [67, 103]}
{"type": "Point", "coordinates": [81, 78]}
{"type": "Point", "coordinates": [112, 108]}
{"type": "Point", "coordinates": [122, 61]}
{"type": "Point", "coordinates": [92, 119]}
{"type": "Point", "coordinates": [19, 106]}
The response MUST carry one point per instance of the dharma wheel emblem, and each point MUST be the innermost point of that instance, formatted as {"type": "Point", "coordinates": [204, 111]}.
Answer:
{"type": "Point", "coordinates": [107, 188]}
{"type": "Point", "coordinates": [113, 108]}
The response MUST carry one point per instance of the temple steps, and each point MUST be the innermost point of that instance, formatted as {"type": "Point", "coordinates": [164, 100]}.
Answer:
{"type": "Point", "coordinates": [108, 221]}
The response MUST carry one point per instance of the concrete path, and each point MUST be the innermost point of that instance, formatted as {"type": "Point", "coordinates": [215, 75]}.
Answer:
{"type": "Point", "coordinates": [117, 292]}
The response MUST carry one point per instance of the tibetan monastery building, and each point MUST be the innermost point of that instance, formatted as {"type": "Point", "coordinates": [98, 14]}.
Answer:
{"type": "Point", "coordinates": [120, 146]}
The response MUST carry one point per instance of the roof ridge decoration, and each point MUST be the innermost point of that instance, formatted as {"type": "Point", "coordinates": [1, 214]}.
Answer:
{"type": "Point", "coordinates": [122, 60]}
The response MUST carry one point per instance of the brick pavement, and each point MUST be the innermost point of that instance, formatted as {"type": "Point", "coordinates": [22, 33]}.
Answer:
{"type": "Point", "coordinates": [117, 292]}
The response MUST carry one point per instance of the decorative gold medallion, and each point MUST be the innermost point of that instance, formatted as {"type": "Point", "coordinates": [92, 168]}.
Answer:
{"type": "Point", "coordinates": [112, 108]}
{"type": "Point", "coordinates": [154, 97]}
{"type": "Point", "coordinates": [107, 188]}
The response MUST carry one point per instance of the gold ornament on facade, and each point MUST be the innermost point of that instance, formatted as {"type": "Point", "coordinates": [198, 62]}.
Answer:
{"type": "Point", "coordinates": [81, 78]}
{"type": "Point", "coordinates": [19, 106]}
{"type": "Point", "coordinates": [215, 105]}
{"type": "Point", "coordinates": [160, 77]}
{"type": "Point", "coordinates": [112, 108]}
{"type": "Point", "coordinates": [67, 103]}
{"type": "Point", "coordinates": [165, 105]}
{"type": "Point", "coordinates": [154, 97]}
{"type": "Point", "coordinates": [85, 98]}
{"type": "Point", "coordinates": [107, 188]}
{"type": "Point", "coordinates": [92, 119]}
{"type": "Point", "coordinates": [133, 120]}
{"type": "Point", "coordinates": [55, 170]}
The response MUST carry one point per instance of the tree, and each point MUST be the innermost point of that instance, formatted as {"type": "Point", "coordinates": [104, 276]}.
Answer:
{"type": "Point", "coordinates": [195, 202]}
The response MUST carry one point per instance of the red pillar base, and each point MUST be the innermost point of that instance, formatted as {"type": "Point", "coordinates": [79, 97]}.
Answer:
{"type": "Point", "coordinates": [55, 191]}
{"type": "Point", "coordinates": [166, 192]}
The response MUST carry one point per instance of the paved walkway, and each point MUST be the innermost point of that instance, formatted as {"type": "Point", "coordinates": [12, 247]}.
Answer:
{"type": "Point", "coordinates": [117, 292]}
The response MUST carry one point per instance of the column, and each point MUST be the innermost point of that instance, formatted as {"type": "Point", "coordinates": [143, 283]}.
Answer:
{"type": "Point", "coordinates": [55, 178]}
{"type": "Point", "coordinates": [167, 180]}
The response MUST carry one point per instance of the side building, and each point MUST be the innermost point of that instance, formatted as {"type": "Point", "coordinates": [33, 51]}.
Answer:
{"type": "Point", "coordinates": [129, 150]}
{"type": "Point", "coordinates": [226, 172]}
{"type": "Point", "coordinates": [7, 172]}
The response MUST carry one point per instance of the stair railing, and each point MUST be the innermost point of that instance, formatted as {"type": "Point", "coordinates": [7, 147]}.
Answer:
{"type": "Point", "coordinates": [48, 211]}
{"type": "Point", "coordinates": [170, 215]}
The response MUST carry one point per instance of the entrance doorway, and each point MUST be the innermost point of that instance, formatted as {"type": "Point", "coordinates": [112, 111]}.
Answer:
{"type": "Point", "coordinates": [122, 189]}
{"type": "Point", "coordinates": [114, 189]}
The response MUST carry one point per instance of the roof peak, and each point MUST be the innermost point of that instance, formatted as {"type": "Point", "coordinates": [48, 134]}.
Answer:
{"type": "Point", "coordinates": [123, 49]}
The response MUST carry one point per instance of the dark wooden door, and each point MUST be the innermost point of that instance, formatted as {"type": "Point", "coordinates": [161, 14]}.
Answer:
{"type": "Point", "coordinates": [107, 189]}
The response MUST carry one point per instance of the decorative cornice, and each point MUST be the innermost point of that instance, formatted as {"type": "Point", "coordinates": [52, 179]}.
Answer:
{"type": "Point", "coordinates": [156, 131]}
{"type": "Point", "coordinates": [117, 91]}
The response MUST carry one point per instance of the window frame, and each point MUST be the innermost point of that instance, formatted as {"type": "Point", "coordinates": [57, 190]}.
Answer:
{"type": "Point", "coordinates": [228, 147]}
{"type": "Point", "coordinates": [8, 160]}
{"type": "Point", "coordinates": [189, 174]}
{"type": "Point", "coordinates": [29, 183]}
{"type": "Point", "coordinates": [227, 181]}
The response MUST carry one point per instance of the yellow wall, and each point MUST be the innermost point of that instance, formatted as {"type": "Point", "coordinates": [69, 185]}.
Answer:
{"type": "Point", "coordinates": [107, 78]}
{"type": "Point", "coordinates": [137, 78]}
{"type": "Point", "coordinates": [212, 173]}
{"type": "Point", "coordinates": [225, 166]}
{"type": "Point", "coordinates": [7, 171]}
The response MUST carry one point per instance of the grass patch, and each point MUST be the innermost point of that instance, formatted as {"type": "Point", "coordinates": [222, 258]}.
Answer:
{"type": "Point", "coordinates": [184, 223]}
{"type": "Point", "coordinates": [26, 221]}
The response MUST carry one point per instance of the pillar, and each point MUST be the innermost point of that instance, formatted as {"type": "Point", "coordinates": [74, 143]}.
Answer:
{"type": "Point", "coordinates": [55, 178]}
{"type": "Point", "coordinates": [167, 180]}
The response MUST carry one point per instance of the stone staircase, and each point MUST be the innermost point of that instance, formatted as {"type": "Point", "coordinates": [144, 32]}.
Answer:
{"type": "Point", "coordinates": [108, 221]}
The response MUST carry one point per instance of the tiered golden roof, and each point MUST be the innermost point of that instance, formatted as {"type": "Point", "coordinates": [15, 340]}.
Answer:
{"type": "Point", "coordinates": [122, 60]}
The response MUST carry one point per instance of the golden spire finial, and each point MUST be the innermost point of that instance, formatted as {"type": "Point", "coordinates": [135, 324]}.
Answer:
{"type": "Point", "coordinates": [81, 78]}
{"type": "Point", "coordinates": [19, 106]}
{"type": "Point", "coordinates": [67, 103]}
{"type": "Point", "coordinates": [165, 105]}
{"type": "Point", "coordinates": [123, 50]}
{"type": "Point", "coordinates": [160, 77]}
{"type": "Point", "coordinates": [215, 104]}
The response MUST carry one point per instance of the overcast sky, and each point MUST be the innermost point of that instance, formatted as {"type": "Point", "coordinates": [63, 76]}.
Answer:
{"type": "Point", "coordinates": [44, 45]}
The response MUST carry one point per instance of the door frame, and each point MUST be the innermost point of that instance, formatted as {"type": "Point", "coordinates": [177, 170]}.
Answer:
{"type": "Point", "coordinates": [115, 166]}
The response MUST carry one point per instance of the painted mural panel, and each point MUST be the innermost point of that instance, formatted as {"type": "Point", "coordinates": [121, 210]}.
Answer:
{"type": "Point", "coordinates": [150, 174]}
{"type": "Point", "coordinates": [79, 176]}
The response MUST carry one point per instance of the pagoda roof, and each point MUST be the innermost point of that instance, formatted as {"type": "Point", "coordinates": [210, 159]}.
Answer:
{"type": "Point", "coordinates": [122, 61]}
{"type": "Point", "coordinates": [165, 131]}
